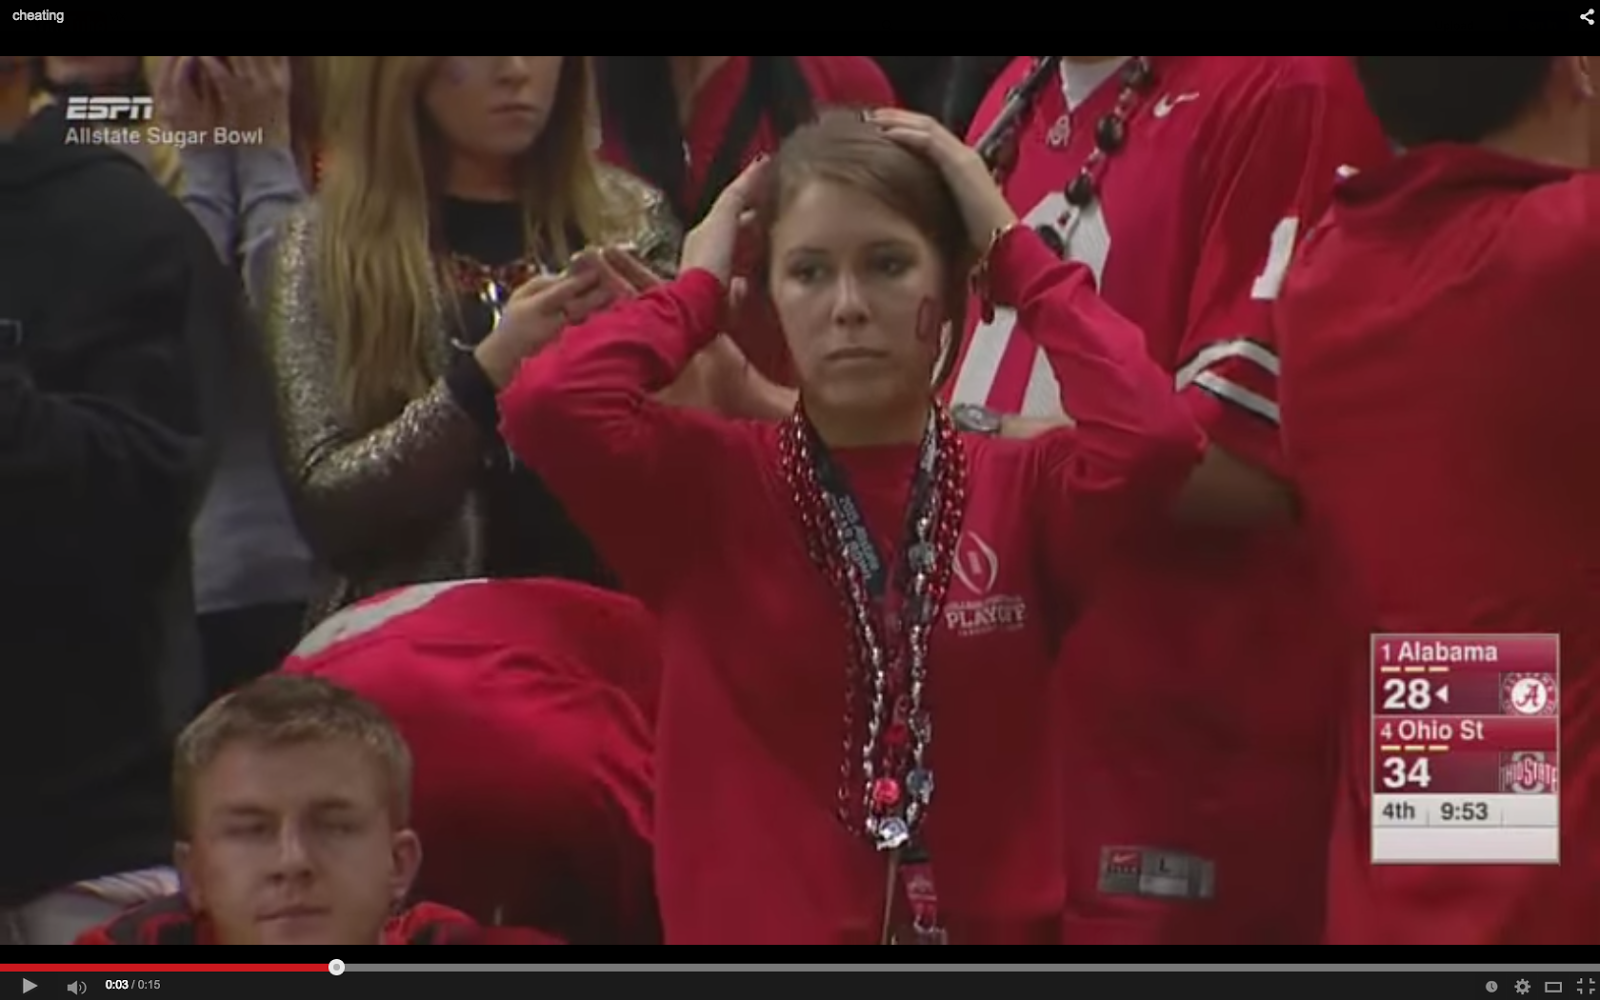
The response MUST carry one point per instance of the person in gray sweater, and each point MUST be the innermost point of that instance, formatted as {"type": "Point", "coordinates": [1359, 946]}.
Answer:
{"type": "Point", "coordinates": [252, 570]}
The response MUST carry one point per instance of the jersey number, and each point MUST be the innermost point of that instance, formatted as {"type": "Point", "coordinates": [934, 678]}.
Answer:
{"type": "Point", "coordinates": [1090, 246]}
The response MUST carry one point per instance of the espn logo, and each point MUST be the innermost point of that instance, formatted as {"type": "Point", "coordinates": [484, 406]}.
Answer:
{"type": "Point", "coordinates": [110, 109]}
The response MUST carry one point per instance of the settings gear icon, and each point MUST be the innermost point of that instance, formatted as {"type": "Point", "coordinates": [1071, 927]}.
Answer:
{"type": "Point", "coordinates": [1523, 987]}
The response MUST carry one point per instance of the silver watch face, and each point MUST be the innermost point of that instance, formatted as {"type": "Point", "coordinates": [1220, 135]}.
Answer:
{"type": "Point", "coordinates": [975, 419]}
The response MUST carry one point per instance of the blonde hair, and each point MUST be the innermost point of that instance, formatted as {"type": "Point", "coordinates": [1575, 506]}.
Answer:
{"type": "Point", "coordinates": [281, 710]}
{"type": "Point", "coordinates": [378, 272]}
{"type": "Point", "coordinates": [164, 163]}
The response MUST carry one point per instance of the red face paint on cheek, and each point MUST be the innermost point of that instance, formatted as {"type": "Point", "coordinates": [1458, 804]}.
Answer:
{"type": "Point", "coordinates": [928, 321]}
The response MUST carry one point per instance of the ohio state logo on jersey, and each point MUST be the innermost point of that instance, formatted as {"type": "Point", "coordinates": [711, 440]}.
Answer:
{"type": "Point", "coordinates": [1529, 772]}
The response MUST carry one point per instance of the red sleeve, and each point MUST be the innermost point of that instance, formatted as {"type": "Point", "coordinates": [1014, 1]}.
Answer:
{"type": "Point", "coordinates": [1275, 164]}
{"type": "Point", "coordinates": [636, 476]}
{"type": "Point", "coordinates": [1133, 445]}
{"type": "Point", "coordinates": [848, 81]}
{"type": "Point", "coordinates": [95, 935]}
{"type": "Point", "coordinates": [514, 935]}
{"type": "Point", "coordinates": [431, 923]}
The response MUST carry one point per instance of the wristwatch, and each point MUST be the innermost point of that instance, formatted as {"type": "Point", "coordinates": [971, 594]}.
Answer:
{"type": "Point", "coordinates": [975, 419]}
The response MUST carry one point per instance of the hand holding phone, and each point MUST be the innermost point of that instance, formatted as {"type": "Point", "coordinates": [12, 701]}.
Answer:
{"type": "Point", "coordinates": [623, 272]}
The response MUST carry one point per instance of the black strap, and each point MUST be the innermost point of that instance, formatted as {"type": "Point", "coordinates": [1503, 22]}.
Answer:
{"type": "Point", "coordinates": [857, 539]}
{"type": "Point", "coordinates": [736, 139]}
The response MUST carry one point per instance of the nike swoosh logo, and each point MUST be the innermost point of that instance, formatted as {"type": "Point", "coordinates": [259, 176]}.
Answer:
{"type": "Point", "coordinates": [1168, 102]}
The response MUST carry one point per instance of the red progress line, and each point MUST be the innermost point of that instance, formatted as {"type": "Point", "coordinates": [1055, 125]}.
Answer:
{"type": "Point", "coordinates": [196, 967]}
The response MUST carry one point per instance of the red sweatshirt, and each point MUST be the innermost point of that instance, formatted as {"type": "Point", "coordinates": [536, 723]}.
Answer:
{"type": "Point", "coordinates": [1440, 414]}
{"type": "Point", "coordinates": [694, 513]}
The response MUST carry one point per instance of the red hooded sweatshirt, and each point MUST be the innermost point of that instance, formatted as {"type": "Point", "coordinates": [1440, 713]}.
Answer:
{"type": "Point", "coordinates": [1439, 415]}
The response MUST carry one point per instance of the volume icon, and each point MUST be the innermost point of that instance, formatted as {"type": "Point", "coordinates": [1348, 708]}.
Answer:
{"type": "Point", "coordinates": [80, 988]}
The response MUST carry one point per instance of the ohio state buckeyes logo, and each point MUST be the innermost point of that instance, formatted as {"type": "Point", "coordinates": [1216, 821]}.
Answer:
{"type": "Point", "coordinates": [1529, 772]}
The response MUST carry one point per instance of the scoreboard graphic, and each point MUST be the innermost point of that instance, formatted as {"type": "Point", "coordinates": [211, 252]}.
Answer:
{"type": "Point", "coordinates": [1466, 750]}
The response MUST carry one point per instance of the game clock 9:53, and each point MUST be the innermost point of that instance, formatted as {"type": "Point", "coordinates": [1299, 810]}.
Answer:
{"type": "Point", "coordinates": [1464, 812]}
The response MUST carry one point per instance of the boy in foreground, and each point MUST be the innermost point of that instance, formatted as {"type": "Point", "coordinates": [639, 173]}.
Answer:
{"type": "Point", "coordinates": [293, 801]}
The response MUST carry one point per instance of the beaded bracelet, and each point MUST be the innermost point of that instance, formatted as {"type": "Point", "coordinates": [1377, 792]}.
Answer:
{"type": "Point", "coordinates": [981, 282]}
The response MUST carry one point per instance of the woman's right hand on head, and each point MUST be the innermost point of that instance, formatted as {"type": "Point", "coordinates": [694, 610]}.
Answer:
{"type": "Point", "coordinates": [254, 94]}
{"type": "Point", "coordinates": [182, 96]}
{"type": "Point", "coordinates": [712, 245]}
{"type": "Point", "coordinates": [536, 314]}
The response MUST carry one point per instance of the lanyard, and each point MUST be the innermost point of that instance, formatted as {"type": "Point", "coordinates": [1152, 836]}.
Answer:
{"type": "Point", "coordinates": [910, 868]}
{"type": "Point", "coordinates": [860, 549]}
{"type": "Point", "coordinates": [911, 872]}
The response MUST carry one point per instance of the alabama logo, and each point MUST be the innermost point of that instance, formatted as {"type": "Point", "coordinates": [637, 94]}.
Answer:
{"type": "Point", "coordinates": [1528, 694]}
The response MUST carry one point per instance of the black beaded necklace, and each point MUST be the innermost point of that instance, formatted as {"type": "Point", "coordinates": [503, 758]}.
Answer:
{"type": "Point", "coordinates": [999, 145]}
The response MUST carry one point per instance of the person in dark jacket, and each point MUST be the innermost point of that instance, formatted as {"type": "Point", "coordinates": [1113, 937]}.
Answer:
{"type": "Point", "coordinates": [109, 296]}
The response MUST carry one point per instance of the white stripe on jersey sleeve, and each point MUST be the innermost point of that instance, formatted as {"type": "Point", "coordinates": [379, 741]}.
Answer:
{"type": "Point", "coordinates": [1238, 395]}
{"type": "Point", "coordinates": [1214, 354]}
{"type": "Point", "coordinates": [1198, 372]}
{"type": "Point", "coordinates": [371, 615]}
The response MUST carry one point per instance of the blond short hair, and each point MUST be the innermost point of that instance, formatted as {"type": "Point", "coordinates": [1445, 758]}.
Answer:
{"type": "Point", "coordinates": [286, 710]}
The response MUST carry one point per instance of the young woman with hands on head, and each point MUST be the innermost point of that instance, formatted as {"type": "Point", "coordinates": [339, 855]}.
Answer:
{"type": "Point", "coordinates": [859, 600]}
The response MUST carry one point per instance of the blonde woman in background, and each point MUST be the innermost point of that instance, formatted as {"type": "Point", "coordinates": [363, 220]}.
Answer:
{"type": "Point", "coordinates": [451, 182]}
{"type": "Point", "coordinates": [252, 572]}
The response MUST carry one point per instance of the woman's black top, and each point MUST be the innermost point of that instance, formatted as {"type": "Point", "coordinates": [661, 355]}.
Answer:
{"type": "Point", "coordinates": [528, 532]}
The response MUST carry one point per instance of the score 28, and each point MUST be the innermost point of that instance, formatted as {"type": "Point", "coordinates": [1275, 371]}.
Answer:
{"type": "Point", "coordinates": [1415, 695]}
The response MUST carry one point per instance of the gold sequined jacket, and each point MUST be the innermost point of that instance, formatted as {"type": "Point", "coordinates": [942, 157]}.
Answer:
{"type": "Point", "coordinates": [397, 505]}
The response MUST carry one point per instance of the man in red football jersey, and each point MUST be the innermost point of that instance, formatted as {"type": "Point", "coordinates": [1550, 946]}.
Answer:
{"type": "Point", "coordinates": [1196, 724]}
{"type": "Point", "coordinates": [527, 704]}
{"type": "Point", "coordinates": [292, 800]}
{"type": "Point", "coordinates": [1439, 357]}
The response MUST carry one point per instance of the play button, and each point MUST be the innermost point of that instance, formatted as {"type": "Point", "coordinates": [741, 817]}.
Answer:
{"type": "Point", "coordinates": [26, 986]}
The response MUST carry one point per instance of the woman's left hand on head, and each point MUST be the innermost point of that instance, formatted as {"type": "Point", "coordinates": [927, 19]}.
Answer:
{"type": "Point", "coordinates": [983, 204]}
